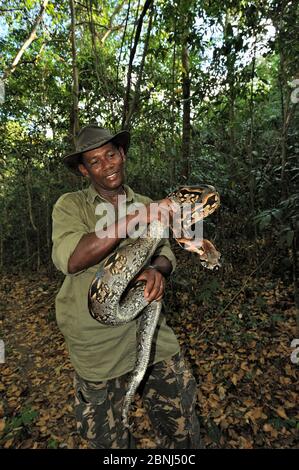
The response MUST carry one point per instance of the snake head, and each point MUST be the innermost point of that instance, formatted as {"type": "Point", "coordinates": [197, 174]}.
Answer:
{"type": "Point", "coordinates": [203, 200]}
{"type": "Point", "coordinates": [209, 256]}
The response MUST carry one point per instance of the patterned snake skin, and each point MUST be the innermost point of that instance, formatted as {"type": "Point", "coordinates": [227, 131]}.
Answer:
{"type": "Point", "coordinates": [111, 303]}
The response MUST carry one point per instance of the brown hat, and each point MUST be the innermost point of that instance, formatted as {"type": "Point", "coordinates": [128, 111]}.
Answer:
{"type": "Point", "coordinates": [91, 137]}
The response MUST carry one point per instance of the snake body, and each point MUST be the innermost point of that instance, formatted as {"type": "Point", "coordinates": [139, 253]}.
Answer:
{"type": "Point", "coordinates": [111, 301]}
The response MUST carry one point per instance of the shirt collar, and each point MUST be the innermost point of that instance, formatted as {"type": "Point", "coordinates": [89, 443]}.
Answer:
{"type": "Point", "coordinates": [92, 194]}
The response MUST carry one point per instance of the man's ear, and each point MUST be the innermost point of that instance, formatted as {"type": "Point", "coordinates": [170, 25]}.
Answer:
{"type": "Point", "coordinates": [121, 151]}
{"type": "Point", "coordinates": [82, 169]}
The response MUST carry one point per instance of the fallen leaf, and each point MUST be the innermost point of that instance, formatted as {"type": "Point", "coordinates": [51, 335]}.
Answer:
{"type": "Point", "coordinates": [2, 425]}
{"type": "Point", "coordinates": [269, 428]}
{"type": "Point", "coordinates": [234, 379]}
{"type": "Point", "coordinates": [8, 444]}
{"type": "Point", "coordinates": [281, 412]}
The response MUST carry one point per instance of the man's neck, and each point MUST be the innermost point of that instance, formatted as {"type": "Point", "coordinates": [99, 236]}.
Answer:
{"type": "Point", "coordinates": [111, 195]}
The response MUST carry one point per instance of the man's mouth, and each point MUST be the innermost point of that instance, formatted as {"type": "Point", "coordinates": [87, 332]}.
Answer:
{"type": "Point", "coordinates": [112, 175]}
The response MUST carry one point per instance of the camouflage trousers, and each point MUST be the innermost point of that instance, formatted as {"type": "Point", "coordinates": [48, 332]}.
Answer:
{"type": "Point", "coordinates": [168, 391]}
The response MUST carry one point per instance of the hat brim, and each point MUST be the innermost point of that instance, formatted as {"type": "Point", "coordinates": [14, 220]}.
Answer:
{"type": "Point", "coordinates": [72, 160]}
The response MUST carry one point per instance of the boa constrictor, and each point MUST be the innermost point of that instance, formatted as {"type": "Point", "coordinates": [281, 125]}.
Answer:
{"type": "Point", "coordinates": [111, 301]}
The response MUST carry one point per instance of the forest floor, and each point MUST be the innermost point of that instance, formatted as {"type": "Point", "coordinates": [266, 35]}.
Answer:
{"type": "Point", "coordinates": [237, 341]}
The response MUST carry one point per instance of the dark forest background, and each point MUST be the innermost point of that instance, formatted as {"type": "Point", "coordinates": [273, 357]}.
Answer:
{"type": "Point", "coordinates": [209, 91]}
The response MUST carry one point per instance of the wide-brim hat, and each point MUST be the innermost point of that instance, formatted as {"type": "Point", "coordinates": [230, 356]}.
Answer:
{"type": "Point", "coordinates": [91, 137]}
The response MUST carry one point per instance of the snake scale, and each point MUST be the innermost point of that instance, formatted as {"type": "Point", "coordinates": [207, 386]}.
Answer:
{"type": "Point", "coordinates": [110, 300]}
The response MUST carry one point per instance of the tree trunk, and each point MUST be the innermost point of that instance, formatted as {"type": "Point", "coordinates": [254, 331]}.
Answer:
{"type": "Point", "coordinates": [186, 140]}
{"type": "Point", "coordinates": [230, 68]}
{"type": "Point", "coordinates": [99, 68]}
{"type": "Point", "coordinates": [132, 56]}
{"type": "Point", "coordinates": [38, 260]}
{"type": "Point", "coordinates": [74, 120]}
{"type": "Point", "coordinates": [27, 249]}
{"type": "Point", "coordinates": [29, 199]}
{"type": "Point", "coordinates": [111, 19]}
{"type": "Point", "coordinates": [172, 155]}
{"type": "Point", "coordinates": [122, 40]}
{"type": "Point", "coordinates": [32, 36]}
{"type": "Point", "coordinates": [250, 146]}
{"type": "Point", "coordinates": [295, 262]}
{"type": "Point", "coordinates": [1, 249]}
{"type": "Point", "coordinates": [134, 104]}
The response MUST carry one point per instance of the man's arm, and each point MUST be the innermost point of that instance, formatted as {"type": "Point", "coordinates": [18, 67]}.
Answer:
{"type": "Point", "coordinates": [91, 250]}
{"type": "Point", "coordinates": [93, 247]}
{"type": "Point", "coordinates": [75, 248]}
{"type": "Point", "coordinates": [163, 265]}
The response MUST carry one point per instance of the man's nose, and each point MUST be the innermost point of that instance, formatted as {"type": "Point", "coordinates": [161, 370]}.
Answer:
{"type": "Point", "coordinates": [106, 163]}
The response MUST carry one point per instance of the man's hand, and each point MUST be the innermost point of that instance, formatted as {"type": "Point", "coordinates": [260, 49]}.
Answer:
{"type": "Point", "coordinates": [155, 284]}
{"type": "Point", "coordinates": [161, 210]}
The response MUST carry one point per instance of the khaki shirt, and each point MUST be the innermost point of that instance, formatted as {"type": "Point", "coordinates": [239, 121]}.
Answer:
{"type": "Point", "coordinates": [98, 352]}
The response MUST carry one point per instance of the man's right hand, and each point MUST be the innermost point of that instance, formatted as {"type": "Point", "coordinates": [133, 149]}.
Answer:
{"type": "Point", "coordinates": [162, 210]}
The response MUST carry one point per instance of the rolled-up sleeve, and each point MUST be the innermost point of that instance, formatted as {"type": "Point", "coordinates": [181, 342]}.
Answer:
{"type": "Point", "coordinates": [68, 229]}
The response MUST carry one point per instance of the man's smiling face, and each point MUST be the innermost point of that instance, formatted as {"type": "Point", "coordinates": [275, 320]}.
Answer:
{"type": "Point", "coordinates": [104, 166]}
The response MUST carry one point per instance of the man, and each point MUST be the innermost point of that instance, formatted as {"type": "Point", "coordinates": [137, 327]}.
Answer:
{"type": "Point", "coordinates": [103, 356]}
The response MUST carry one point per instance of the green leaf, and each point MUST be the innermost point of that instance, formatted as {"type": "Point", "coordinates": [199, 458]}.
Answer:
{"type": "Point", "coordinates": [264, 222]}
{"type": "Point", "coordinates": [290, 237]}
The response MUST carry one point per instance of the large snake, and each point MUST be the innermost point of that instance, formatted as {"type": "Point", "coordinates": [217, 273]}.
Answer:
{"type": "Point", "coordinates": [111, 301]}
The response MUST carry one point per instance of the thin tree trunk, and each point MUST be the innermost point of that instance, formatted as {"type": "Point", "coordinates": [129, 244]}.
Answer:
{"type": "Point", "coordinates": [230, 68]}
{"type": "Point", "coordinates": [295, 262]}
{"type": "Point", "coordinates": [284, 127]}
{"type": "Point", "coordinates": [48, 214]}
{"type": "Point", "coordinates": [186, 140]}
{"type": "Point", "coordinates": [93, 42]}
{"type": "Point", "coordinates": [131, 60]}
{"type": "Point", "coordinates": [122, 40]}
{"type": "Point", "coordinates": [250, 146]}
{"type": "Point", "coordinates": [172, 165]}
{"type": "Point", "coordinates": [27, 250]}
{"type": "Point", "coordinates": [75, 109]}
{"type": "Point", "coordinates": [32, 36]}
{"type": "Point", "coordinates": [283, 102]}
{"type": "Point", "coordinates": [29, 199]}
{"type": "Point", "coordinates": [111, 19]}
{"type": "Point", "coordinates": [101, 80]}
{"type": "Point", "coordinates": [38, 262]}
{"type": "Point", "coordinates": [1, 249]}
{"type": "Point", "coordinates": [134, 104]}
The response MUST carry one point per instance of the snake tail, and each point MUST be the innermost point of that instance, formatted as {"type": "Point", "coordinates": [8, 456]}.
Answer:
{"type": "Point", "coordinates": [147, 327]}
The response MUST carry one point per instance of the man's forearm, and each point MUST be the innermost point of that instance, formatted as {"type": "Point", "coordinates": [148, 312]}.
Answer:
{"type": "Point", "coordinates": [163, 265]}
{"type": "Point", "coordinates": [93, 247]}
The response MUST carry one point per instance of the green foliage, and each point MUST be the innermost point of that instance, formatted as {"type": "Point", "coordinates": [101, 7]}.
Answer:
{"type": "Point", "coordinates": [19, 424]}
{"type": "Point", "coordinates": [52, 444]}
{"type": "Point", "coordinates": [243, 126]}
{"type": "Point", "coordinates": [281, 218]}
{"type": "Point", "coordinates": [208, 291]}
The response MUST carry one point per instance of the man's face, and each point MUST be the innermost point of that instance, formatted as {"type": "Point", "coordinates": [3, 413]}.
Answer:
{"type": "Point", "coordinates": [104, 166]}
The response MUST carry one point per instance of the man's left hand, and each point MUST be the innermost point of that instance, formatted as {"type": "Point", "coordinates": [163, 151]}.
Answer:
{"type": "Point", "coordinates": [155, 284]}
